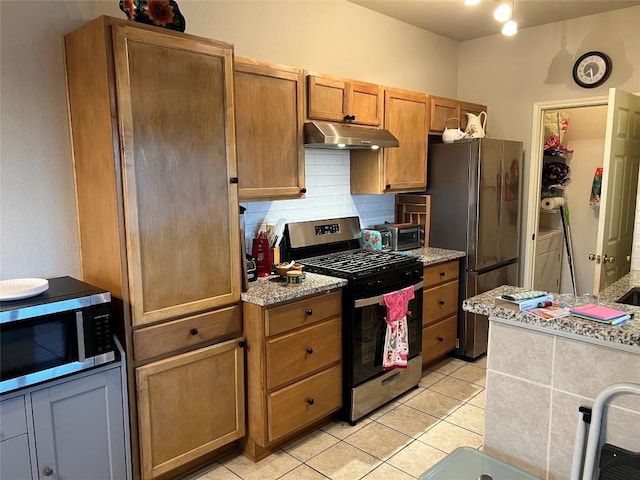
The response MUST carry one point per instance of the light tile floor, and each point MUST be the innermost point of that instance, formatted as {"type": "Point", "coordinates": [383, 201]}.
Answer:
{"type": "Point", "coordinates": [399, 441]}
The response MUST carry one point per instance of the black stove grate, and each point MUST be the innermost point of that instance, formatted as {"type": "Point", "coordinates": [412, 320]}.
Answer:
{"type": "Point", "coordinates": [356, 262]}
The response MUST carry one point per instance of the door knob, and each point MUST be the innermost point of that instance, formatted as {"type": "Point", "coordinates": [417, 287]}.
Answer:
{"type": "Point", "coordinates": [607, 258]}
{"type": "Point", "coordinates": [594, 257]}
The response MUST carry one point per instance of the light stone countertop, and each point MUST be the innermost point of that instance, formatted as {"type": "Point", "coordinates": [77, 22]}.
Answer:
{"type": "Point", "coordinates": [271, 290]}
{"type": "Point", "coordinates": [432, 255]}
{"type": "Point", "coordinates": [625, 336]}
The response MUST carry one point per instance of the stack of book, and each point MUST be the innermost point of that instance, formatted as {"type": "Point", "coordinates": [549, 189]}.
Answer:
{"type": "Point", "coordinates": [599, 313]}
{"type": "Point", "coordinates": [524, 300]}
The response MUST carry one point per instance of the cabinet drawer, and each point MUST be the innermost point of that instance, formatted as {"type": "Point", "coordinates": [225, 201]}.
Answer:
{"type": "Point", "coordinates": [298, 354]}
{"type": "Point", "coordinates": [440, 273]}
{"type": "Point", "coordinates": [13, 421]}
{"type": "Point", "coordinates": [171, 336]}
{"type": "Point", "coordinates": [440, 302]}
{"type": "Point", "coordinates": [301, 313]}
{"type": "Point", "coordinates": [302, 403]}
{"type": "Point", "coordinates": [439, 339]}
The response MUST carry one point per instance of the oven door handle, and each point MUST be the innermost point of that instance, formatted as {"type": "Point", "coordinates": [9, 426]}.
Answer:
{"type": "Point", "coordinates": [365, 302]}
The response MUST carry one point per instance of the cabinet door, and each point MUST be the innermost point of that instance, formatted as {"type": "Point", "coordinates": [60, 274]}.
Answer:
{"type": "Point", "coordinates": [190, 405]}
{"type": "Point", "coordinates": [269, 109]}
{"type": "Point", "coordinates": [442, 109]}
{"type": "Point", "coordinates": [406, 115]}
{"type": "Point", "coordinates": [327, 98]}
{"type": "Point", "coordinates": [175, 113]}
{"type": "Point", "coordinates": [365, 103]}
{"type": "Point", "coordinates": [79, 428]}
{"type": "Point", "coordinates": [14, 442]}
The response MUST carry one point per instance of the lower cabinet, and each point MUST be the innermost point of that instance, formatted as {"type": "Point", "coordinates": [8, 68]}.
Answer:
{"type": "Point", "coordinates": [294, 369]}
{"type": "Point", "coordinates": [72, 429]}
{"type": "Point", "coordinates": [14, 441]}
{"type": "Point", "coordinates": [189, 405]}
{"type": "Point", "coordinates": [440, 310]}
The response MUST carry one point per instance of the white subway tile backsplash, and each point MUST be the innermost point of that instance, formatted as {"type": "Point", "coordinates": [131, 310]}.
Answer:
{"type": "Point", "coordinates": [328, 195]}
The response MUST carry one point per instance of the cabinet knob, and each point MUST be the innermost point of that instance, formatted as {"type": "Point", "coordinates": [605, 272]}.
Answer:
{"type": "Point", "coordinates": [442, 274]}
{"type": "Point", "coordinates": [233, 180]}
{"type": "Point", "coordinates": [309, 312]}
{"type": "Point", "coordinates": [387, 186]}
{"type": "Point", "coordinates": [193, 331]}
{"type": "Point", "coordinates": [310, 401]}
{"type": "Point", "coordinates": [309, 350]}
{"type": "Point", "coordinates": [441, 339]}
{"type": "Point", "coordinates": [47, 472]}
{"type": "Point", "coordinates": [303, 190]}
{"type": "Point", "coordinates": [441, 302]}
{"type": "Point", "coordinates": [242, 344]}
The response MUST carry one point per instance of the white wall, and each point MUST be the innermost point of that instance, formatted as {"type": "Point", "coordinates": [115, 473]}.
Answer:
{"type": "Point", "coordinates": [328, 196]}
{"type": "Point", "coordinates": [38, 232]}
{"type": "Point", "coordinates": [511, 74]}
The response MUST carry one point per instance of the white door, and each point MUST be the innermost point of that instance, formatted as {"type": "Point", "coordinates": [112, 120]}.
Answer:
{"type": "Point", "coordinates": [619, 189]}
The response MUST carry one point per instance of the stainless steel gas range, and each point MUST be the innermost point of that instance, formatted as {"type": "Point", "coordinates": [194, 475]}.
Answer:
{"type": "Point", "coordinates": [331, 247]}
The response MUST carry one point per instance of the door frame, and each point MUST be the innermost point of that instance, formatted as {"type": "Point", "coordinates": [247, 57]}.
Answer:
{"type": "Point", "coordinates": [535, 180]}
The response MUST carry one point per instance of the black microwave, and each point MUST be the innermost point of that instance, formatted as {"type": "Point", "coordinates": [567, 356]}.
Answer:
{"type": "Point", "coordinates": [63, 330]}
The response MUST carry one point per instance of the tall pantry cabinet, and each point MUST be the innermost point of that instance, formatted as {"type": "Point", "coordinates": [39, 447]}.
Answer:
{"type": "Point", "coordinates": [152, 126]}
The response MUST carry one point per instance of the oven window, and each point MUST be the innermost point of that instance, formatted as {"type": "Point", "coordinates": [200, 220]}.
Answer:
{"type": "Point", "coordinates": [368, 334]}
{"type": "Point", "coordinates": [30, 346]}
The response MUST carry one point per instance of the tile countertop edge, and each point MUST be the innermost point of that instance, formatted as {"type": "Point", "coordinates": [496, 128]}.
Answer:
{"type": "Point", "coordinates": [625, 337]}
{"type": "Point", "coordinates": [432, 255]}
{"type": "Point", "coordinates": [272, 290]}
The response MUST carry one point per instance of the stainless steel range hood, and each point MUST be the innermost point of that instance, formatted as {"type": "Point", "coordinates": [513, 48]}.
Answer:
{"type": "Point", "coordinates": [344, 136]}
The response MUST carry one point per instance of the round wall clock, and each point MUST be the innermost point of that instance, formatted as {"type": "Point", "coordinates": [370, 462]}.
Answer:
{"type": "Point", "coordinates": [592, 69]}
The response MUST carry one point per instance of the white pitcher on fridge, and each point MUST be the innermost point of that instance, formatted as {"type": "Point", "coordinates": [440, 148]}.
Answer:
{"type": "Point", "coordinates": [475, 124]}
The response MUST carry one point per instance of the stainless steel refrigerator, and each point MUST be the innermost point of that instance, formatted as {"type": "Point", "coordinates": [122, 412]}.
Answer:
{"type": "Point", "coordinates": [475, 187]}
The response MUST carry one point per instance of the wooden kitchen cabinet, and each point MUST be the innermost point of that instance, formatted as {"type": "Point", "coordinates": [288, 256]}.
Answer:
{"type": "Point", "coordinates": [400, 169]}
{"type": "Point", "coordinates": [190, 405]}
{"type": "Point", "coordinates": [440, 310]}
{"type": "Point", "coordinates": [442, 109]}
{"type": "Point", "coordinates": [154, 151]}
{"type": "Point", "coordinates": [269, 109]}
{"type": "Point", "coordinates": [341, 100]}
{"type": "Point", "coordinates": [294, 369]}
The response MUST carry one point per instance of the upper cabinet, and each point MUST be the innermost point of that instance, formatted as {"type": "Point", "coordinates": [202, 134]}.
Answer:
{"type": "Point", "coordinates": [269, 108]}
{"type": "Point", "coordinates": [340, 100]}
{"type": "Point", "coordinates": [443, 109]}
{"type": "Point", "coordinates": [399, 169]}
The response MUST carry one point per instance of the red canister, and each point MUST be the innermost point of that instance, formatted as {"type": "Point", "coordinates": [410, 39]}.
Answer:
{"type": "Point", "coordinates": [262, 255]}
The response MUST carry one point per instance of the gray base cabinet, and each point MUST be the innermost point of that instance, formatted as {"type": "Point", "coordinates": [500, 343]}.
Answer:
{"type": "Point", "coordinates": [75, 428]}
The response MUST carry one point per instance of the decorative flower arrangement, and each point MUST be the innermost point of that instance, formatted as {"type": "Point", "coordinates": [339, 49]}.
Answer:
{"type": "Point", "coordinates": [160, 13]}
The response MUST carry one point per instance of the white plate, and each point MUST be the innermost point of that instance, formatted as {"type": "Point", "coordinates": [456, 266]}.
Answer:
{"type": "Point", "coordinates": [18, 288]}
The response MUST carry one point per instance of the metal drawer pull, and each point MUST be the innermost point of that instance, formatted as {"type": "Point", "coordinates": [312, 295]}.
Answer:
{"type": "Point", "coordinates": [310, 401]}
{"type": "Point", "coordinates": [309, 350]}
{"type": "Point", "coordinates": [441, 302]}
{"type": "Point", "coordinates": [194, 331]}
{"type": "Point", "coordinates": [309, 312]}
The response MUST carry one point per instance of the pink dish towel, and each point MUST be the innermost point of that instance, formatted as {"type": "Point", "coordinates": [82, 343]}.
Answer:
{"type": "Point", "coordinates": [396, 341]}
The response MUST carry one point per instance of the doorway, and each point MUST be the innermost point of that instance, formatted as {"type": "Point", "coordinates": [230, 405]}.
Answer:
{"type": "Point", "coordinates": [546, 263]}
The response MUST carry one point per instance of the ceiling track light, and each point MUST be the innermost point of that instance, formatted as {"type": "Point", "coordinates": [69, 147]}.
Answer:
{"type": "Point", "coordinates": [503, 12]}
{"type": "Point", "coordinates": [510, 28]}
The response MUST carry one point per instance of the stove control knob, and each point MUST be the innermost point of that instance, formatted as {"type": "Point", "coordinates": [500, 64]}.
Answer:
{"type": "Point", "coordinates": [412, 275]}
